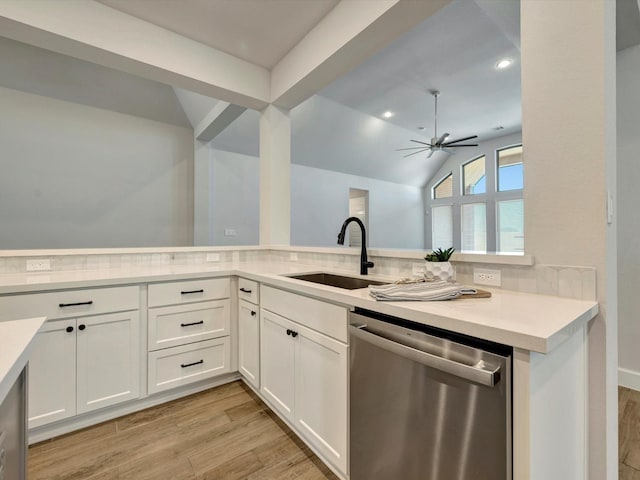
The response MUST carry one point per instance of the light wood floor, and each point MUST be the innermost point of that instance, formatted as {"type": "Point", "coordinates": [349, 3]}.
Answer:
{"type": "Point", "coordinates": [629, 433]}
{"type": "Point", "coordinates": [224, 433]}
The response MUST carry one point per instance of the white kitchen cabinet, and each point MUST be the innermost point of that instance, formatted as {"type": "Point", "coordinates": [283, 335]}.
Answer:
{"type": "Point", "coordinates": [108, 360]}
{"type": "Point", "coordinates": [249, 342]}
{"type": "Point", "coordinates": [304, 378]}
{"type": "Point", "coordinates": [52, 373]}
{"type": "Point", "coordinates": [277, 357]}
{"type": "Point", "coordinates": [80, 365]}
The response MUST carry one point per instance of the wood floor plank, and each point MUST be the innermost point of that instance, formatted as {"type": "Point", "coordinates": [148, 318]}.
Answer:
{"type": "Point", "coordinates": [629, 431]}
{"type": "Point", "coordinates": [628, 473]}
{"type": "Point", "coordinates": [237, 468]}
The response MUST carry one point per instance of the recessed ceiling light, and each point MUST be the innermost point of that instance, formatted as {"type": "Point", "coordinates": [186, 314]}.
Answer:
{"type": "Point", "coordinates": [504, 63]}
{"type": "Point", "coordinates": [387, 114]}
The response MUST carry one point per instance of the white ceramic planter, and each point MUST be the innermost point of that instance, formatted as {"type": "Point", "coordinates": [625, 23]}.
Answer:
{"type": "Point", "coordinates": [439, 271]}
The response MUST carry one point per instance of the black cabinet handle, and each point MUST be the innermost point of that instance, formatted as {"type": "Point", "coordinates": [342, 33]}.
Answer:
{"type": "Point", "coordinates": [185, 365]}
{"type": "Point", "coordinates": [294, 334]}
{"type": "Point", "coordinates": [193, 323]}
{"type": "Point", "coordinates": [81, 327]}
{"type": "Point", "coordinates": [289, 331]}
{"type": "Point", "coordinates": [69, 329]}
{"type": "Point", "coordinates": [245, 290]}
{"type": "Point", "coordinates": [62, 305]}
{"type": "Point", "coordinates": [192, 291]}
{"type": "Point", "coordinates": [253, 313]}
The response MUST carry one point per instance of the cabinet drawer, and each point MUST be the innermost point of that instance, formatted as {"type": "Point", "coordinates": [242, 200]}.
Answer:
{"type": "Point", "coordinates": [324, 317]}
{"type": "Point", "coordinates": [180, 324]}
{"type": "Point", "coordinates": [187, 291]}
{"type": "Point", "coordinates": [248, 290]}
{"type": "Point", "coordinates": [177, 366]}
{"type": "Point", "coordinates": [69, 303]}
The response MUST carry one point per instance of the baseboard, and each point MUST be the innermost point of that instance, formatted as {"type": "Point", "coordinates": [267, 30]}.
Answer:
{"type": "Point", "coordinates": [629, 378]}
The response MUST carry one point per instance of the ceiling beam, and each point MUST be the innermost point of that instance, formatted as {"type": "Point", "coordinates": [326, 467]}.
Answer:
{"type": "Point", "coordinates": [94, 32]}
{"type": "Point", "coordinates": [219, 118]}
{"type": "Point", "coordinates": [348, 35]}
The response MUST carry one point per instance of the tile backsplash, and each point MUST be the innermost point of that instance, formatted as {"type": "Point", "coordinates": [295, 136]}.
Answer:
{"type": "Point", "coordinates": [565, 281]}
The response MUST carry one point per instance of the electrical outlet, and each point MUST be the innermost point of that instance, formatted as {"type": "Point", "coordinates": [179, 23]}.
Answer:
{"type": "Point", "coordinates": [213, 257]}
{"type": "Point", "coordinates": [34, 264]}
{"type": "Point", "coordinates": [293, 256]}
{"type": "Point", "coordinates": [417, 269]}
{"type": "Point", "coordinates": [484, 276]}
{"type": "Point", "coordinates": [230, 232]}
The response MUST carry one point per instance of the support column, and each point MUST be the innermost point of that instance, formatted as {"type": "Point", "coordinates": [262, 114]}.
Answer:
{"type": "Point", "coordinates": [275, 175]}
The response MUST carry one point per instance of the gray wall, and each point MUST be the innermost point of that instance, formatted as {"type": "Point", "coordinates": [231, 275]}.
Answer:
{"type": "Point", "coordinates": [628, 112]}
{"type": "Point", "coordinates": [320, 203]}
{"type": "Point", "coordinates": [77, 176]}
{"type": "Point", "coordinates": [235, 198]}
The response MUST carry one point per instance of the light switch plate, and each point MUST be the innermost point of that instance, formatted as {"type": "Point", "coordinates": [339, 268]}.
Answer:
{"type": "Point", "coordinates": [213, 257]}
{"type": "Point", "coordinates": [36, 264]}
{"type": "Point", "coordinates": [230, 232]}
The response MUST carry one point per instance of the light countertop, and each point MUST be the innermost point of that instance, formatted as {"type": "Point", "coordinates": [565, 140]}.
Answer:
{"type": "Point", "coordinates": [532, 322]}
{"type": "Point", "coordinates": [16, 339]}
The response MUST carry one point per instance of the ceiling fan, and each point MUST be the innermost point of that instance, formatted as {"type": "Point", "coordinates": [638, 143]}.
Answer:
{"type": "Point", "coordinates": [438, 143]}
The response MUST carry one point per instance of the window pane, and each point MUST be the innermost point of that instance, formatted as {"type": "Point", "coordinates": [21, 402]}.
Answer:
{"type": "Point", "coordinates": [442, 227]}
{"type": "Point", "coordinates": [511, 226]}
{"type": "Point", "coordinates": [474, 228]}
{"type": "Point", "coordinates": [444, 189]}
{"type": "Point", "coordinates": [510, 172]}
{"type": "Point", "coordinates": [473, 176]}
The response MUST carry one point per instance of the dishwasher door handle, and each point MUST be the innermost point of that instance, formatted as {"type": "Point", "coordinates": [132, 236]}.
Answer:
{"type": "Point", "coordinates": [477, 374]}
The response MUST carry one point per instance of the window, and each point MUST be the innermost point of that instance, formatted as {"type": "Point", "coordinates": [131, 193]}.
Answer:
{"type": "Point", "coordinates": [510, 171]}
{"type": "Point", "coordinates": [444, 188]}
{"type": "Point", "coordinates": [473, 177]}
{"type": "Point", "coordinates": [442, 227]}
{"type": "Point", "coordinates": [474, 228]}
{"type": "Point", "coordinates": [510, 226]}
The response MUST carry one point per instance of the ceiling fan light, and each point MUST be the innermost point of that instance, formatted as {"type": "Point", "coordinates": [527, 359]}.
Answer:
{"type": "Point", "coordinates": [504, 63]}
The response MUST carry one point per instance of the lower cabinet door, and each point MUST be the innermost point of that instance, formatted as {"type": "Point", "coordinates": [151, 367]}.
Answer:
{"type": "Point", "coordinates": [277, 355]}
{"type": "Point", "coordinates": [321, 394]}
{"type": "Point", "coordinates": [108, 368]}
{"type": "Point", "coordinates": [175, 366]}
{"type": "Point", "coordinates": [249, 342]}
{"type": "Point", "coordinates": [52, 373]}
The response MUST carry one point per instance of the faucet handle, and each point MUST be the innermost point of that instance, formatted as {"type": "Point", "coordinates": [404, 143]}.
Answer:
{"type": "Point", "coordinates": [368, 264]}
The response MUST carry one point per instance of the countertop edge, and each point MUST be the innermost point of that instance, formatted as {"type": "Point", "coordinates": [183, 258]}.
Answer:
{"type": "Point", "coordinates": [20, 339]}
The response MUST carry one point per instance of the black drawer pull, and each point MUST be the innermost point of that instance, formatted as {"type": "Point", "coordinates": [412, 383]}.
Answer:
{"type": "Point", "coordinates": [289, 331]}
{"type": "Point", "coordinates": [193, 323]}
{"type": "Point", "coordinates": [62, 305]}
{"type": "Point", "coordinates": [192, 291]}
{"type": "Point", "coordinates": [245, 290]}
{"type": "Point", "coordinates": [82, 327]}
{"type": "Point", "coordinates": [185, 365]}
{"type": "Point", "coordinates": [69, 329]}
{"type": "Point", "coordinates": [294, 334]}
{"type": "Point", "coordinates": [253, 313]}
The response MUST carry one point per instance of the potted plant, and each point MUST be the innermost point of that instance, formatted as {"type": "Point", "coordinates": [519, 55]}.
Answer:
{"type": "Point", "coordinates": [438, 267]}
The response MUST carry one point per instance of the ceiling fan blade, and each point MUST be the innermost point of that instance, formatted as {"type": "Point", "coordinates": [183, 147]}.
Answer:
{"type": "Point", "coordinates": [461, 139]}
{"type": "Point", "coordinates": [413, 148]}
{"type": "Point", "coordinates": [442, 139]}
{"type": "Point", "coordinates": [464, 145]}
{"type": "Point", "coordinates": [414, 153]}
{"type": "Point", "coordinates": [424, 143]}
{"type": "Point", "coordinates": [431, 153]}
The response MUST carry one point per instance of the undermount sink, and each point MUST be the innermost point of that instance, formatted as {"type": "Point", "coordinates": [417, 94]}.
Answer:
{"type": "Point", "coordinates": [349, 283]}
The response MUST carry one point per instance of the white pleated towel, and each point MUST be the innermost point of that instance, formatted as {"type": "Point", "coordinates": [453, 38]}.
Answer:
{"type": "Point", "coordinates": [420, 291]}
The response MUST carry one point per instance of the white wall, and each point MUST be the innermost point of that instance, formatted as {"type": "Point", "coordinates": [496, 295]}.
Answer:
{"type": "Point", "coordinates": [320, 203]}
{"type": "Point", "coordinates": [235, 198]}
{"type": "Point", "coordinates": [628, 112]}
{"type": "Point", "coordinates": [77, 176]}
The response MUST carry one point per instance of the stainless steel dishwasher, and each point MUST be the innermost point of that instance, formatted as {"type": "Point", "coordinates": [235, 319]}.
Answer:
{"type": "Point", "coordinates": [427, 404]}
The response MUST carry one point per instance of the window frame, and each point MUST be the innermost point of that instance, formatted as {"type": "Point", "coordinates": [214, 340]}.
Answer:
{"type": "Point", "coordinates": [440, 182]}
{"type": "Point", "coordinates": [497, 168]}
{"type": "Point", "coordinates": [462, 181]}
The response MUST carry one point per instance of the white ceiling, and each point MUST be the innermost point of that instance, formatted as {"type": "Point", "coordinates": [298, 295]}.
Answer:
{"type": "Point", "coordinates": [259, 31]}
